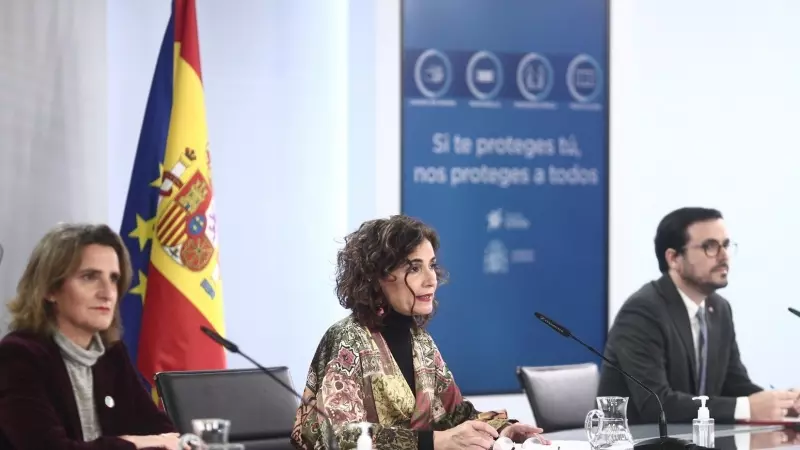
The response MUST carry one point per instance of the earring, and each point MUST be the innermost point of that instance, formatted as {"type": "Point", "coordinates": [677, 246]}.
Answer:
{"type": "Point", "coordinates": [381, 312]}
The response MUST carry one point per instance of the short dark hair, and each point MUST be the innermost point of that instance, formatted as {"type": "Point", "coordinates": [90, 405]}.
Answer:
{"type": "Point", "coordinates": [672, 230]}
{"type": "Point", "coordinates": [371, 253]}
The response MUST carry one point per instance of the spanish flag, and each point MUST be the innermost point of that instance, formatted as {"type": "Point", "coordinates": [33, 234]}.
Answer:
{"type": "Point", "coordinates": [169, 224]}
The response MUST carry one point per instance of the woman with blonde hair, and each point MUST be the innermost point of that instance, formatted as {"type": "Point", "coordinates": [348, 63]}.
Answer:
{"type": "Point", "coordinates": [66, 380]}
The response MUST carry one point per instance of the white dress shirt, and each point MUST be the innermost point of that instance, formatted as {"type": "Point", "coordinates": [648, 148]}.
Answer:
{"type": "Point", "coordinates": [742, 411]}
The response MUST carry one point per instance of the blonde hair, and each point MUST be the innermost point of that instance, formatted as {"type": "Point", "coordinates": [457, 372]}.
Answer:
{"type": "Point", "coordinates": [56, 257]}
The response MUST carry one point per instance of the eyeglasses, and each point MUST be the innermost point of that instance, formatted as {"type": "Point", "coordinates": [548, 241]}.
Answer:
{"type": "Point", "coordinates": [712, 247]}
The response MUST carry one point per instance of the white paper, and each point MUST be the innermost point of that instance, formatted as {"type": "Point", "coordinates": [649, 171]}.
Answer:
{"type": "Point", "coordinates": [558, 445]}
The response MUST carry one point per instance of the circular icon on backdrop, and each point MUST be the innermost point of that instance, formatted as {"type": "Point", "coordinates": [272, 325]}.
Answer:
{"type": "Point", "coordinates": [433, 73]}
{"type": "Point", "coordinates": [584, 78]}
{"type": "Point", "coordinates": [484, 75]}
{"type": "Point", "coordinates": [534, 77]}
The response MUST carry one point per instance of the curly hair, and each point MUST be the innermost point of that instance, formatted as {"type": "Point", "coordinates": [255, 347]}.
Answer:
{"type": "Point", "coordinates": [370, 254]}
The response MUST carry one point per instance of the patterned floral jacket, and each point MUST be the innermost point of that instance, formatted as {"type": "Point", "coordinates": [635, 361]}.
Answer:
{"type": "Point", "coordinates": [354, 378]}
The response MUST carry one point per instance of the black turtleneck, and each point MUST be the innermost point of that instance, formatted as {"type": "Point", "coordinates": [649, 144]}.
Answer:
{"type": "Point", "coordinates": [396, 332]}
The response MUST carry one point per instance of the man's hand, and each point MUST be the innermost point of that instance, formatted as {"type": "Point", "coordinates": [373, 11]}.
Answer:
{"type": "Point", "coordinates": [795, 411]}
{"type": "Point", "coordinates": [772, 405]}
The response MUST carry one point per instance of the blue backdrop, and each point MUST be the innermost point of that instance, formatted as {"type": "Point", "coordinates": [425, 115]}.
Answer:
{"type": "Point", "coordinates": [505, 153]}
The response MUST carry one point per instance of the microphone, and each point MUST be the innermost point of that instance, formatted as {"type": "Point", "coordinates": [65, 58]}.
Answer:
{"type": "Point", "coordinates": [233, 348]}
{"type": "Point", "coordinates": [663, 442]}
{"type": "Point", "coordinates": [333, 444]}
{"type": "Point", "coordinates": [791, 310]}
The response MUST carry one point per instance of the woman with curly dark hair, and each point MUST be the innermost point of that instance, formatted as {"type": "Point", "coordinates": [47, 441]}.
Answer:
{"type": "Point", "coordinates": [380, 365]}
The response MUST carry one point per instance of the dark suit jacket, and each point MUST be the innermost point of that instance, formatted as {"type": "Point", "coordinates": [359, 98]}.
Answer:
{"type": "Point", "coordinates": [652, 340]}
{"type": "Point", "coordinates": [37, 405]}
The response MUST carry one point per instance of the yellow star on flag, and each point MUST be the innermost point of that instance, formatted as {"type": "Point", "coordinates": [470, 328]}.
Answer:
{"type": "Point", "coordinates": [143, 231]}
{"type": "Point", "coordinates": [141, 288]}
{"type": "Point", "coordinates": [157, 182]}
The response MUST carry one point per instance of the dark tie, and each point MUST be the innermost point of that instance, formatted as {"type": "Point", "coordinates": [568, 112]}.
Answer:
{"type": "Point", "coordinates": [702, 351]}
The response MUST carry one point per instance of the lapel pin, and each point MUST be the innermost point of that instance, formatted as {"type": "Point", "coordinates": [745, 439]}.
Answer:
{"type": "Point", "coordinates": [109, 401]}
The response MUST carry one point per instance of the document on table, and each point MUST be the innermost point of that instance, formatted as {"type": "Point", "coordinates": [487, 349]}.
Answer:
{"type": "Point", "coordinates": [558, 445]}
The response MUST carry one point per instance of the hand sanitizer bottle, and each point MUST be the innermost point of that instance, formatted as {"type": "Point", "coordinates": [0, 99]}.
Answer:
{"type": "Point", "coordinates": [703, 425]}
{"type": "Point", "coordinates": [364, 440]}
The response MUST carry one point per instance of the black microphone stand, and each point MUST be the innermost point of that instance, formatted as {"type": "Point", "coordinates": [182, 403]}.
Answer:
{"type": "Point", "coordinates": [332, 442]}
{"type": "Point", "coordinates": [664, 441]}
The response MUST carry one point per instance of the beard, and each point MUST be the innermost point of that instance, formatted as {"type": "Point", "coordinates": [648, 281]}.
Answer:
{"type": "Point", "coordinates": [706, 285]}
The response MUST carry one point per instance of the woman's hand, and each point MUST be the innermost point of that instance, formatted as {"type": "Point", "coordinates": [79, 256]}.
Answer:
{"type": "Point", "coordinates": [472, 434]}
{"type": "Point", "coordinates": [166, 440]}
{"type": "Point", "coordinates": [519, 432]}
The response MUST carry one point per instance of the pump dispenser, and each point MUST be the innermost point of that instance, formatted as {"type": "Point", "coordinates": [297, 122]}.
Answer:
{"type": "Point", "coordinates": [364, 440]}
{"type": "Point", "coordinates": [703, 425]}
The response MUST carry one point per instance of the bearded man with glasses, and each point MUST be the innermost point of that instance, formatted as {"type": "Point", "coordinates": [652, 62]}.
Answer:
{"type": "Point", "coordinates": [676, 334]}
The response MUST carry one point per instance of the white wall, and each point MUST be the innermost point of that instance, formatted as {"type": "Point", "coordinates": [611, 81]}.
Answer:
{"type": "Point", "coordinates": [704, 112]}
{"type": "Point", "coordinates": [52, 124]}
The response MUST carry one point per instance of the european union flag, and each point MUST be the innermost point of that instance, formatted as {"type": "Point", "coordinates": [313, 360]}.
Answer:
{"type": "Point", "coordinates": [142, 202]}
